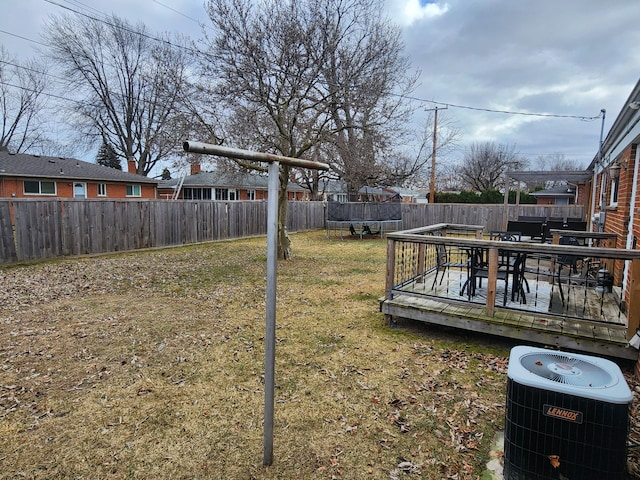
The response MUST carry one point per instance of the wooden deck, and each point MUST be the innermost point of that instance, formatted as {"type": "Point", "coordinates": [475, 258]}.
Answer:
{"type": "Point", "coordinates": [544, 320]}
{"type": "Point", "coordinates": [584, 308]}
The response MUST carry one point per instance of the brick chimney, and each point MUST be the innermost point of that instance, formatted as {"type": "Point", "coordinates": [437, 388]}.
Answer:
{"type": "Point", "coordinates": [195, 168]}
{"type": "Point", "coordinates": [131, 166]}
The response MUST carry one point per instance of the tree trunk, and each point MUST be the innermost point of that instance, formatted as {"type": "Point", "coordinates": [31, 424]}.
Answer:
{"type": "Point", "coordinates": [284, 243]}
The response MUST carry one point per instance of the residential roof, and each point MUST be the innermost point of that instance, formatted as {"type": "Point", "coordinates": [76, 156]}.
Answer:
{"type": "Point", "coordinates": [35, 166]}
{"type": "Point", "coordinates": [367, 190]}
{"type": "Point", "coordinates": [622, 127]}
{"type": "Point", "coordinates": [566, 191]}
{"type": "Point", "coordinates": [225, 180]}
{"type": "Point", "coordinates": [573, 176]}
{"type": "Point", "coordinates": [332, 186]}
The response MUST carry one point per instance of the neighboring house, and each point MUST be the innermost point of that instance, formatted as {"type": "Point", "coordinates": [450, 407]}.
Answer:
{"type": "Point", "coordinates": [563, 195]}
{"type": "Point", "coordinates": [33, 176]}
{"type": "Point", "coordinates": [376, 194]}
{"type": "Point", "coordinates": [615, 201]}
{"type": "Point", "coordinates": [333, 190]}
{"type": "Point", "coordinates": [409, 195]}
{"type": "Point", "coordinates": [223, 186]}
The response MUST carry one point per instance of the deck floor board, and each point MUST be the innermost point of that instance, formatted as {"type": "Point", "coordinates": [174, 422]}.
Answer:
{"type": "Point", "coordinates": [543, 319]}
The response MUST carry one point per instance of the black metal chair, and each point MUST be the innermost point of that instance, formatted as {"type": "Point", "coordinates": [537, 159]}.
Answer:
{"type": "Point", "coordinates": [510, 265]}
{"type": "Point", "coordinates": [366, 230]}
{"type": "Point", "coordinates": [571, 262]}
{"type": "Point", "coordinates": [505, 236]}
{"type": "Point", "coordinates": [444, 261]}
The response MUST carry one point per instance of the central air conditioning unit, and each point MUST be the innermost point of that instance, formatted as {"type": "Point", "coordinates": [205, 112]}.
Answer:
{"type": "Point", "coordinates": [567, 417]}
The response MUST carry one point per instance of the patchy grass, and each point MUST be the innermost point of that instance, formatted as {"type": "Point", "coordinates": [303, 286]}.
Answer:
{"type": "Point", "coordinates": [150, 365]}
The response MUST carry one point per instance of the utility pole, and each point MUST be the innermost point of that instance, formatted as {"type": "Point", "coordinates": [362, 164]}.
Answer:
{"type": "Point", "coordinates": [432, 187]}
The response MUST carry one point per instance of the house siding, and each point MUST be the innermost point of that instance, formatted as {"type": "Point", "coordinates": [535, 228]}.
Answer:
{"type": "Point", "coordinates": [618, 215]}
{"type": "Point", "coordinates": [14, 188]}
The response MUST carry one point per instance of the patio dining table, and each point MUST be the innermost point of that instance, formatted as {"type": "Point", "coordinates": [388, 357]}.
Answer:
{"type": "Point", "coordinates": [510, 269]}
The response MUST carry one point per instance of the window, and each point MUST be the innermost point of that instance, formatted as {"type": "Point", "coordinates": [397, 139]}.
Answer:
{"type": "Point", "coordinates": [102, 189]}
{"type": "Point", "coordinates": [341, 197]}
{"type": "Point", "coordinates": [190, 193]}
{"type": "Point", "coordinates": [233, 194]}
{"type": "Point", "coordinates": [615, 184]}
{"type": "Point", "coordinates": [133, 191]}
{"type": "Point", "coordinates": [251, 194]}
{"type": "Point", "coordinates": [36, 187]}
{"type": "Point", "coordinates": [79, 190]}
{"type": "Point", "coordinates": [222, 194]}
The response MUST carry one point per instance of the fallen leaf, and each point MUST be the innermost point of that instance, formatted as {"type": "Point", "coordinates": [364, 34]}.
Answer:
{"type": "Point", "coordinates": [555, 460]}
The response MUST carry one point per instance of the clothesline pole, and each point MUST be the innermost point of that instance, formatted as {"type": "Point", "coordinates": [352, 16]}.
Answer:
{"type": "Point", "coordinates": [272, 263]}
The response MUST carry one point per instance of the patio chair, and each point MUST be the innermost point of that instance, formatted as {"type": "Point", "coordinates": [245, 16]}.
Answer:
{"type": "Point", "coordinates": [505, 236]}
{"type": "Point", "coordinates": [444, 261]}
{"type": "Point", "coordinates": [517, 262]}
{"type": "Point", "coordinates": [510, 264]}
{"type": "Point", "coordinates": [574, 274]}
{"type": "Point", "coordinates": [366, 230]}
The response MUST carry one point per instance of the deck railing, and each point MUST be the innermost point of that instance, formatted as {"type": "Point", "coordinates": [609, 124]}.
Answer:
{"type": "Point", "coordinates": [585, 280]}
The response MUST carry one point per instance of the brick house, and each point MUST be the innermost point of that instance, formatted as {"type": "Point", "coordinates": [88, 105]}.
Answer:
{"type": "Point", "coordinates": [223, 186]}
{"type": "Point", "coordinates": [615, 201]}
{"type": "Point", "coordinates": [33, 176]}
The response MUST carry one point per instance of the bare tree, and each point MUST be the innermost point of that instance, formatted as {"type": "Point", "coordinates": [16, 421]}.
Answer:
{"type": "Point", "coordinates": [22, 93]}
{"type": "Point", "coordinates": [364, 64]}
{"type": "Point", "coordinates": [308, 79]}
{"type": "Point", "coordinates": [263, 64]}
{"type": "Point", "coordinates": [129, 84]}
{"type": "Point", "coordinates": [484, 164]}
{"type": "Point", "coordinates": [556, 162]}
{"type": "Point", "coordinates": [447, 177]}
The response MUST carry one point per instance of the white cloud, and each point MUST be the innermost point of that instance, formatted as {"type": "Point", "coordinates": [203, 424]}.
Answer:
{"type": "Point", "coordinates": [407, 12]}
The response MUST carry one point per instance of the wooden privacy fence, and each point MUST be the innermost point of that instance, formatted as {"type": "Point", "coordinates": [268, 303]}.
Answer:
{"type": "Point", "coordinates": [39, 229]}
{"type": "Point", "coordinates": [56, 228]}
{"type": "Point", "coordinates": [491, 216]}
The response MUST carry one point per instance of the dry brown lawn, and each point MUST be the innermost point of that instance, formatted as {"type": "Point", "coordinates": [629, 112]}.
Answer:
{"type": "Point", "coordinates": [150, 365]}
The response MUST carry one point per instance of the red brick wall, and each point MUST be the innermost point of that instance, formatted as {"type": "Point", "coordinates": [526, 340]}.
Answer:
{"type": "Point", "coordinates": [13, 187]}
{"type": "Point", "coordinates": [617, 216]}
{"type": "Point", "coordinates": [583, 194]}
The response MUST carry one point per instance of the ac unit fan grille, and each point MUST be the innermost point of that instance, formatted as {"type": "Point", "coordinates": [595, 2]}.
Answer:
{"type": "Point", "coordinates": [563, 368]}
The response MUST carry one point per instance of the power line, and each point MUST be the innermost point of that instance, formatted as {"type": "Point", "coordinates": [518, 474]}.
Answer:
{"type": "Point", "coordinates": [191, 50]}
{"type": "Point", "coordinates": [122, 27]}
{"type": "Point", "coordinates": [508, 112]}
{"type": "Point", "coordinates": [52, 95]}
{"type": "Point", "coordinates": [181, 13]}
{"type": "Point", "coordinates": [23, 38]}
{"type": "Point", "coordinates": [40, 72]}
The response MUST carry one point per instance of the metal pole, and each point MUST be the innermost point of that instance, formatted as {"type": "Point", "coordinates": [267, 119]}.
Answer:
{"type": "Point", "coordinates": [270, 335]}
{"type": "Point", "coordinates": [432, 190]}
{"type": "Point", "coordinates": [272, 263]}
{"type": "Point", "coordinates": [208, 148]}
{"type": "Point", "coordinates": [595, 174]}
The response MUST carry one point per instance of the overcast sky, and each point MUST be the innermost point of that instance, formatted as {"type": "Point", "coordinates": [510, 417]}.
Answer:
{"type": "Point", "coordinates": [553, 57]}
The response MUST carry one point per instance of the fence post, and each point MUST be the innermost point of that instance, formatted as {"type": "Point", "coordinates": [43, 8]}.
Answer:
{"type": "Point", "coordinates": [492, 281]}
{"type": "Point", "coordinates": [391, 268]}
